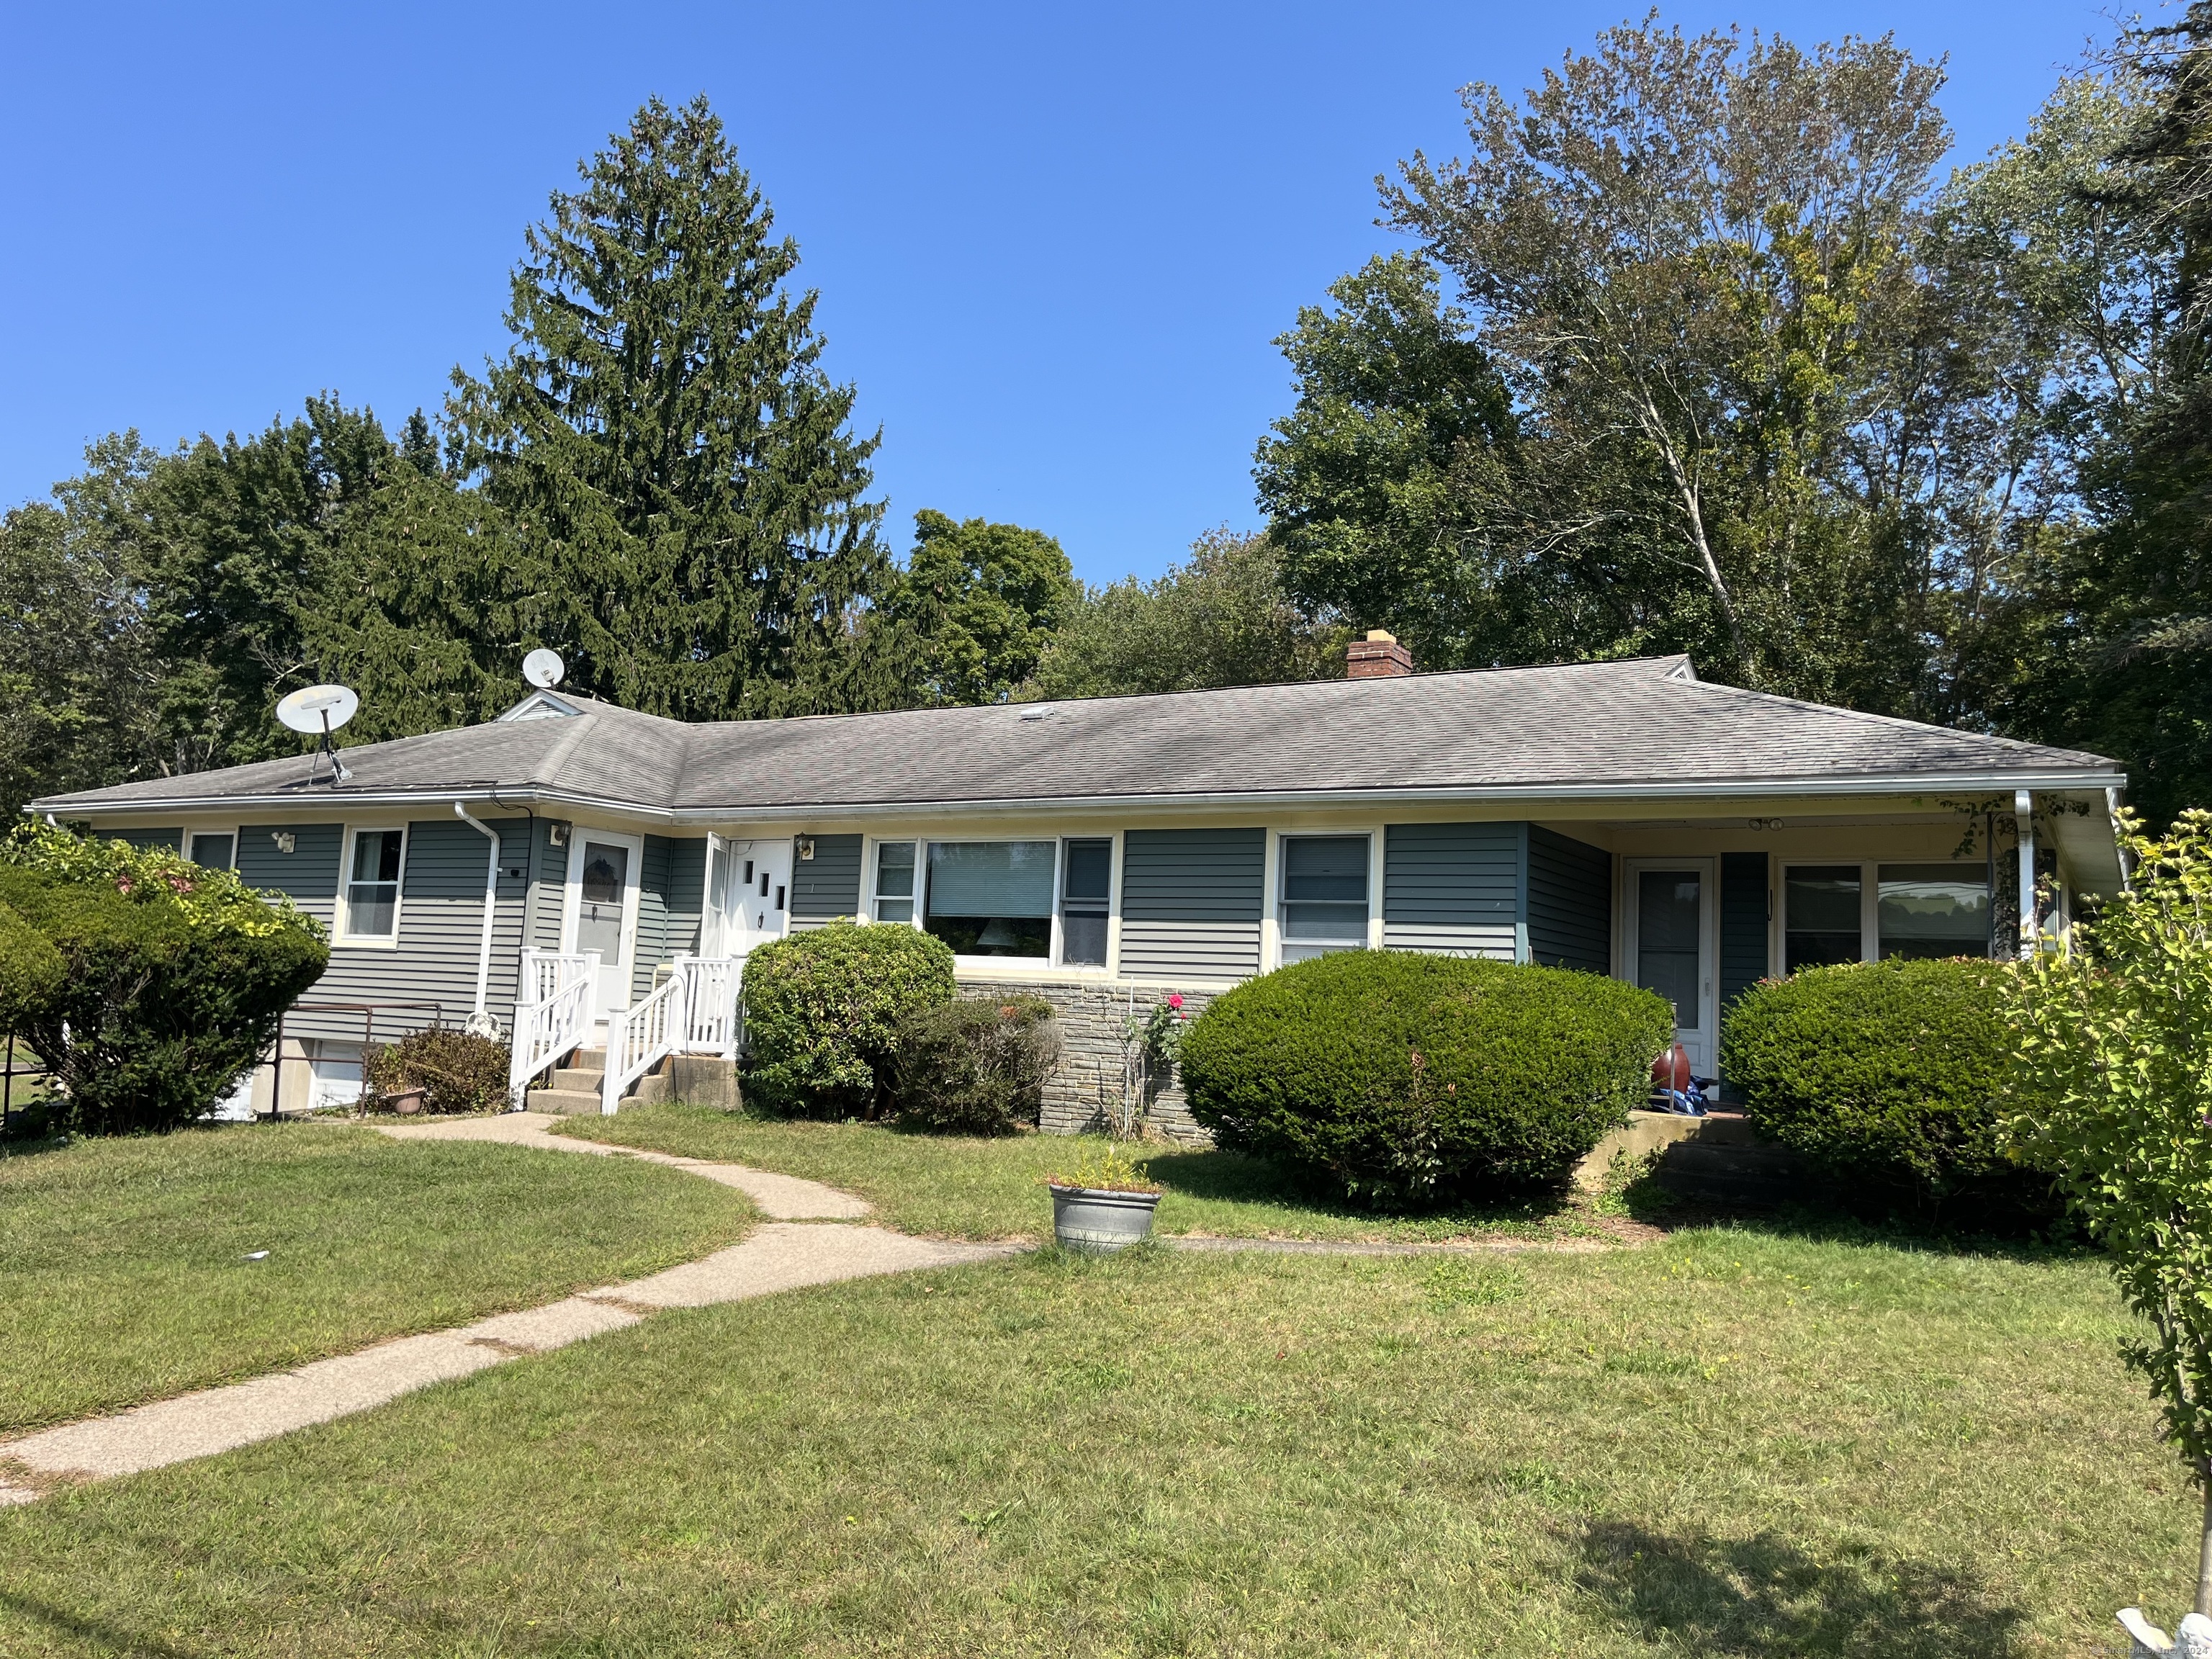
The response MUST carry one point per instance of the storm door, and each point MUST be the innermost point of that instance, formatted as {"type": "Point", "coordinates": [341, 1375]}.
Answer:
{"type": "Point", "coordinates": [602, 908]}
{"type": "Point", "coordinates": [1667, 935]}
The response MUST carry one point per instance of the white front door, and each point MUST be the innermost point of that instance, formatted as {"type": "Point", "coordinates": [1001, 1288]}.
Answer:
{"type": "Point", "coordinates": [604, 868]}
{"type": "Point", "coordinates": [1668, 940]}
{"type": "Point", "coordinates": [748, 892]}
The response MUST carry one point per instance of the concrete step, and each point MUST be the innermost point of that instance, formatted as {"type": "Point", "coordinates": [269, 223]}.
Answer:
{"type": "Point", "coordinates": [578, 1077]}
{"type": "Point", "coordinates": [568, 1103]}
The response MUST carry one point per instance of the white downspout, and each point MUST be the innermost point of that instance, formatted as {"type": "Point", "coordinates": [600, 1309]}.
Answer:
{"type": "Point", "coordinates": [481, 1021]}
{"type": "Point", "coordinates": [2112, 815]}
{"type": "Point", "coordinates": [2023, 813]}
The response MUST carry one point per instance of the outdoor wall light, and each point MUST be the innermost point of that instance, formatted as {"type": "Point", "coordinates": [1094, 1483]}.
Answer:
{"type": "Point", "coordinates": [284, 839]}
{"type": "Point", "coordinates": [806, 848]}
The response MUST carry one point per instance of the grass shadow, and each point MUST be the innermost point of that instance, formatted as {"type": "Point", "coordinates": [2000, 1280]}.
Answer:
{"type": "Point", "coordinates": [1639, 1191]}
{"type": "Point", "coordinates": [1765, 1598]}
{"type": "Point", "coordinates": [1243, 1177]}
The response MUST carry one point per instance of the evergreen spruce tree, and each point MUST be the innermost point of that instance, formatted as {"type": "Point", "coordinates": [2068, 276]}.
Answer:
{"type": "Point", "coordinates": [672, 458]}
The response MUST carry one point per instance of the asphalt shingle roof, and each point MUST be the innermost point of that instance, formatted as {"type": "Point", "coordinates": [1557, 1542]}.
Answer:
{"type": "Point", "coordinates": [1643, 723]}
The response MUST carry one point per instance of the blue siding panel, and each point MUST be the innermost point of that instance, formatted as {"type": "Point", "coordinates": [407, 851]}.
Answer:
{"type": "Point", "coordinates": [1194, 875]}
{"type": "Point", "coordinates": [1191, 903]}
{"type": "Point", "coordinates": [671, 893]}
{"type": "Point", "coordinates": [1569, 907]}
{"type": "Point", "coordinates": [1447, 875]}
{"type": "Point", "coordinates": [826, 885]}
{"type": "Point", "coordinates": [1743, 923]}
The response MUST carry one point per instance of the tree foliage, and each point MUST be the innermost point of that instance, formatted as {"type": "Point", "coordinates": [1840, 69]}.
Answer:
{"type": "Point", "coordinates": [2118, 1035]}
{"type": "Point", "coordinates": [1220, 618]}
{"type": "Point", "coordinates": [669, 451]}
{"type": "Point", "coordinates": [1376, 484]}
{"type": "Point", "coordinates": [977, 604]}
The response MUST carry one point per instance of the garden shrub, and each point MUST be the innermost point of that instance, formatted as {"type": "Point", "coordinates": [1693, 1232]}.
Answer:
{"type": "Point", "coordinates": [31, 970]}
{"type": "Point", "coordinates": [457, 1071]}
{"type": "Point", "coordinates": [174, 976]}
{"type": "Point", "coordinates": [1413, 1080]}
{"type": "Point", "coordinates": [1894, 1075]}
{"type": "Point", "coordinates": [975, 1067]}
{"type": "Point", "coordinates": [823, 1010]}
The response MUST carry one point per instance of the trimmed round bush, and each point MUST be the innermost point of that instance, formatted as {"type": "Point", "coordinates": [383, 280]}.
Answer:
{"type": "Point", "coordinates": [1412, 1079]}
{"type": "Point", "coordinates": [31, 970]}
{"type": "Point", "coordinates": [824, 1010]}
{"type": "Point", "coordinates": [173, 977]}
{"type": "Point", "coordinates": [1893, 1073]}
{"type": "Point", "coordinates": [976, 1067]}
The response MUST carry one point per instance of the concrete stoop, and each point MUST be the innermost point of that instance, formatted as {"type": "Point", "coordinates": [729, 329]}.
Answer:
{"type": "Point", "coordinates": [1717, 1160]}
{"type": "Point", "coordinates": [706, 1079]}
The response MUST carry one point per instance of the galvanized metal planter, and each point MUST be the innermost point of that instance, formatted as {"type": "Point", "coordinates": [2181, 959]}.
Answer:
{"type": "Point", "coordinates": [1093, 1219]}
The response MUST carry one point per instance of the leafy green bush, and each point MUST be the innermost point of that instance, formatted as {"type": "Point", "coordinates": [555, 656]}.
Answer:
{"type": "Point", "coordinates": [823, 1014]}
{"type": "Point", "coordinates": [457, 1071]}
{"type": "Point", "coordinates": [1412, 1079]}
{"type": "Point", "coordinates": [31, 970]}
{"type": "Point", "coordinates": [174, 976]}
{"type": "Point", "coordinates": [976, 1067]}
{"type": "Point", "coordinates": [1894, 1074]}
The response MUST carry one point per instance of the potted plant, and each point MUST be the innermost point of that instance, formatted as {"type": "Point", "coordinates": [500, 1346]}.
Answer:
{"type": "Point", "coordinates": [1105, 1205]}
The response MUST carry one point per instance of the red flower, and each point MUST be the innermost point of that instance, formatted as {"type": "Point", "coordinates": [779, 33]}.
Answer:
{"type": "Point", "coordinates": [1174, 999]}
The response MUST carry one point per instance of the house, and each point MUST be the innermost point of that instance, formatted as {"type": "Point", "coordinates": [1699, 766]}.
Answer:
{"type": "Point", "coordinates": [1621, 818]}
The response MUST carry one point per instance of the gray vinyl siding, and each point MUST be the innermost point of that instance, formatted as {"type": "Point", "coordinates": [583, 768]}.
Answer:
{"type": "Point", "coordinates": [549, 892]}
{"type": "Point", "coordinates": [1499, 942]}
{"type": "Point", "coordinates": [826, 885]}
{"type": "Point", "coordinates": [1452, 888]}
{"type": "Point", "coordinates": [441, 934]}
{"type": "Point", "coordinates": [142, 839]}
{"type": "Point", "coordinates": [671, 892]}
{"type": "Point", "coordinates": [308, 875]}
{"type": "Point", "coordinates": [1743, 923]}
{"type": "Point", "coordinates": [1191, 903]}
{"type": "Point", "coordinates": [1569, 908]}
{"type": "Point", "coordinates": [1193, 950]}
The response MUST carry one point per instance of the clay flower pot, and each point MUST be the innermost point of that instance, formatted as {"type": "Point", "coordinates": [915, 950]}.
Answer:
{"type": "Point", "coordinates": [407, 1102]}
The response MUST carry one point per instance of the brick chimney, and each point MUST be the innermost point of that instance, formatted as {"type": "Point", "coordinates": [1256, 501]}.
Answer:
{"type": "Point", "coordinates": [1378, 657]}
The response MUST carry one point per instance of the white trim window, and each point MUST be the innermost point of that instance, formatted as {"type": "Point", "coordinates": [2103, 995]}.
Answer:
{"type": "Point", "coordinates": [894, 873]}
{"type": "Point", "coordinates": [368, 912]}
{"type": "Point", "coordinates": [212, 849]}
{"type": "Point", "coordinates": [1323, 905]}
{"type": "Point", "coordinates": [1865, 911]}
{"type": "Point", "coordinates": [992, 898]}
{"type": "Point", "coordinates": [1086, 899]}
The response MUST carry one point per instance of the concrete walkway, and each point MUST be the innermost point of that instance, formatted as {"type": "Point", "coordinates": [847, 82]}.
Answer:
{"type": "Point", "coordinates": [782, 1254]}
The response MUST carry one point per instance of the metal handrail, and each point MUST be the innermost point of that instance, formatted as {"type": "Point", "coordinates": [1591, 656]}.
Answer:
{"type": "Point", "coordinates": [366, 1009]}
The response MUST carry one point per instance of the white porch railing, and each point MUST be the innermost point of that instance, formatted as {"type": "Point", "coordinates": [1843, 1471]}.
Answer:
{"type": "Point", "coordinates": [553, 1019]}
{"type": "Point", "coordinates": [693, 1011]}
{"type": "Point", "coordinates": [711, 1004]}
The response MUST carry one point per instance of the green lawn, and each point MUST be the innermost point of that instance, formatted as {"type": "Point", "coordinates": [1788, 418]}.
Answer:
{"type": "Point", "coordinates": [958, 1187]}
{"type": "Point", "coordinates": [1728, 1443]}
{"type": "Point", "coordinates": [123, 1268]}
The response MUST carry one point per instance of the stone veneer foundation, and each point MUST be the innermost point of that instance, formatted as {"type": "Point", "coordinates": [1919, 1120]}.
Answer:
{"type": "Point", "coordinates": [1093, 1019]}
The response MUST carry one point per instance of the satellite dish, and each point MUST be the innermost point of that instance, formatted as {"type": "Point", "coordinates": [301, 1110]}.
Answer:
{"type": "Point", "coordinates": [542, 669]}
{"type": "Point", "coordinates": [316, 709]}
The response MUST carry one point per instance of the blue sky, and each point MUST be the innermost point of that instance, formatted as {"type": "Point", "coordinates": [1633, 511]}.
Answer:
{"type": "Point", "coordinates": [1053, 242]}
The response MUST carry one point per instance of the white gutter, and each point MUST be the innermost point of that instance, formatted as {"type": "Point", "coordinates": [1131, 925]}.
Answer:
{"type": "Point", "coordinates": [482, 1014]}
{"type": "Point", "coordinates": [702, 816]}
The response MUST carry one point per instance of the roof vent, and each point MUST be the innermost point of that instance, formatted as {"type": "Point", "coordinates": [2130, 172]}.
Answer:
{"type": "Point", "coordinates": [1037, 713]}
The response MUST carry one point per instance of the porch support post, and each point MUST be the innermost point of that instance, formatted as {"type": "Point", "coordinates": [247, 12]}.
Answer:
{"type": "Point", "coordinates": [2023, 813]}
